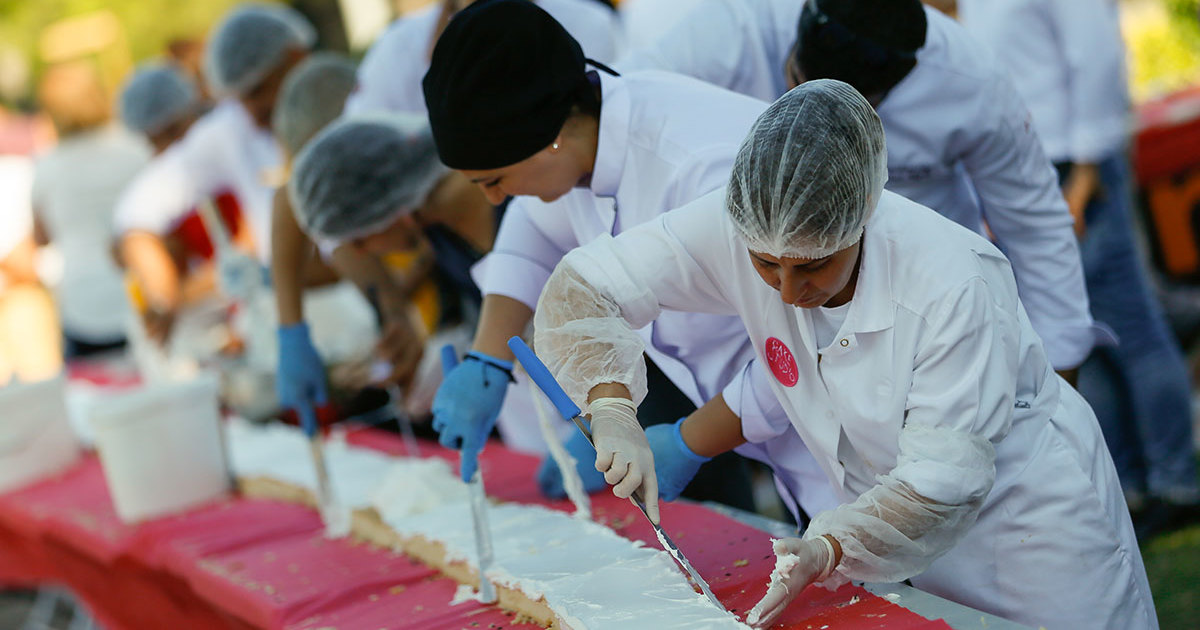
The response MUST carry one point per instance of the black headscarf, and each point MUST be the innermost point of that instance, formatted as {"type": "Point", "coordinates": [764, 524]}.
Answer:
{"type": "Point", "coordinates": [501, 83]}
{"type": "Point", "coordinates": [870, 44]}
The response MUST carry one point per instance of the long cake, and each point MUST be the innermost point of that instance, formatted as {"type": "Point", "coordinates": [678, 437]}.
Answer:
{"type": "Point", "coordinates": [550, 568]}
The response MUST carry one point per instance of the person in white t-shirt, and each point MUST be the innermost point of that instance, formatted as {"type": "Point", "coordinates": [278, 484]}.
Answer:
{"type": "Point", "coordinates": [75, 189]}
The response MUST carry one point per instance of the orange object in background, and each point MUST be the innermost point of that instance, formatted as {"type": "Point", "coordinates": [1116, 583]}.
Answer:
{"type": "Point", "coordinates": [1167, 166]}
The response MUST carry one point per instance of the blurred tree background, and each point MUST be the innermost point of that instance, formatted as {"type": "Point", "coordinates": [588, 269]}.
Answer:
{"type": "Point", "coordinates": [116, 34]}
{"type": "Point", "coordinates": [1163, 37]}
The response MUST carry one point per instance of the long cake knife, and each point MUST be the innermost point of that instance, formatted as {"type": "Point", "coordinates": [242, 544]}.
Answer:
{"type": "Point", "coordinates": [478, 500]}
{"type": "Point", "coordinates": [569, 411]}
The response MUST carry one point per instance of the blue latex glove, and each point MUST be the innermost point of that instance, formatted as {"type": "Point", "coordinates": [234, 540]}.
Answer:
{"type": "Point", "coordinates": [550, 478]}
{"type": "Point", "coordinates": [674, 463]}
{"type": "Point", "coordinates": [300, 378]}
{"type": "Point", "coordinates": [467, 404]}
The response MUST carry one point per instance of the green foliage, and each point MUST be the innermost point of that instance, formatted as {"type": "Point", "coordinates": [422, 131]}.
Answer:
{"type": "Point", "coordinates": [148, 24]}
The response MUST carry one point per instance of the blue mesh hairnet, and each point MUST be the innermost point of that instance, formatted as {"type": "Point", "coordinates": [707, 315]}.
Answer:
{"type": "Point", "coordinates": [359, 174]}
{"type": "Point", "coordinates": [250, 42]}
{"type": "Point", "coordinates": [312, 96]}
{"type": "Point", "coordinates": [810, 173]}
{"type": "Point", "coordinates": [157, 95]}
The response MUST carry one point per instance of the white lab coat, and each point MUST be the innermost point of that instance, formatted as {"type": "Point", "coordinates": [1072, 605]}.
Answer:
{"type": "Point", "coordinates": [646, 21]}
{"type": "Point", "coordinates": [958, 138]}
{"type": "Point", "coordinates": [223, 152]}
{"type": "Point", "coordinates": [740, 45]}
{"type": "Point", "coordinates": [935, 343]}
{"type": "Point", "coordinates": [1069, 64]}
{"type": "Point", "coordinates": [664, 140]}
{"type": "Point", "coordinates": [389, 78]}
{"type": "Point", "coordinates": [75, 189]}
{"type": "Point", "coordinates": [960, 141]}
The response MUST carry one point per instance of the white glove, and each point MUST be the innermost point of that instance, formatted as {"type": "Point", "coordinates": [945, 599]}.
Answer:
{"type": "Point", "coordinates": [239, 276]}
{"type": "Point", "coordinates": [798, 563]}
{"type": "Point", "coordinates": [622, 452]}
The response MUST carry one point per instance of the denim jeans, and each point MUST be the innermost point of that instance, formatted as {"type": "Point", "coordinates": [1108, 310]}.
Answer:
{"type": "Point", "coordinates": [1140, 389]}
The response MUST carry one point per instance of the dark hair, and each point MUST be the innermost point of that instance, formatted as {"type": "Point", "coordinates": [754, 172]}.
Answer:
{"type": "Point", "coordinates": [870, 44]}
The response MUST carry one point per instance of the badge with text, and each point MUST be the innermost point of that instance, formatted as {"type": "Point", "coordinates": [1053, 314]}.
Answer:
{"type": "Point", "coordinates": [781, 361]}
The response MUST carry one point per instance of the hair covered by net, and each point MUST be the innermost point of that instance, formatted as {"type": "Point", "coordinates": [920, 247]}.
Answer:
{"type": "Point", "coordinates": [250, 42]}
{"type": "Point", "coordinates": [359, 174]}
{"type": "Point", "coordinates": [156, 96]}
{"type": "Point", "coordinates": [810, 173]}
{"type": "Point", "coordinates": [312, 96]}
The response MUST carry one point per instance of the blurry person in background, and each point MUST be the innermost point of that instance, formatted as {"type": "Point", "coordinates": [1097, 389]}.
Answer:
{"type": "Point", "coordinates": [75, 189]}
{"type": "Point", "coordinates": [228, 156]}
{"type": "Point", "coordinates": [30, 339]}
{"type": "Point", "coordinates": [1069, 60]}
{"type": "Point", "coordinates": [312, 96]}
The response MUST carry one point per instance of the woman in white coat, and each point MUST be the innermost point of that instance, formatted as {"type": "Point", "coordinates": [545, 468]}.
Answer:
{"type": "Point", "coordinates": [513, 105]}
{"type": "Point", "coordinates": [902, 355]}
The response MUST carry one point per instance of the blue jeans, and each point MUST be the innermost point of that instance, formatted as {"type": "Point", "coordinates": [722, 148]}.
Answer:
{"type": "Point", "coordinates": [1140, 389]}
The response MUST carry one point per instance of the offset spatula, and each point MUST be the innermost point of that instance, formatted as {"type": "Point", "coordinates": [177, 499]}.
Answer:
{"type": "Point", "coordinates": [567, 409]}
{"type": "Point", "coordinates": [478, 500]}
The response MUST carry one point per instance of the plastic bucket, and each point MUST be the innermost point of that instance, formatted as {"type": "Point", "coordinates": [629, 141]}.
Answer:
{"type": "Point", "coordinates": [160, 447]}
{"type": "Point", "coordinates": [36, 440]}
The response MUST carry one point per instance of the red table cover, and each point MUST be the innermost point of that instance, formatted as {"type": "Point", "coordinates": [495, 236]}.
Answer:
{"type": "Point", "coordinates": [240, 563]}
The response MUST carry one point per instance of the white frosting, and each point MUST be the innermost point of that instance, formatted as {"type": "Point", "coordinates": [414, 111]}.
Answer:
{"type": "Point", "coordinates": [572, 483]}
{"type": "Point", "coordinates": [589, 576]}
{"type": "Point", "coordinates": [282, 453]}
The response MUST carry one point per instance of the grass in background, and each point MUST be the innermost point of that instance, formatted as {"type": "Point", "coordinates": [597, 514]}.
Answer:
{"type": "Point", "coordinates": [1173, 566]}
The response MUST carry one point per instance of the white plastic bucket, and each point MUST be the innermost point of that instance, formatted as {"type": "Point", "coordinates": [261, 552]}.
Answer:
{"type": "Point", "coordinates": [36, 440]}
{"type": "Point", "coordinates": [161, 449]}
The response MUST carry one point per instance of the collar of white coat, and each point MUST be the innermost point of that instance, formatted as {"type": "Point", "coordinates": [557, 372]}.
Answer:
{"type": "Point", "coordinates": [612, 137]}
{"type": "Point", "coordinates": [872, 308]}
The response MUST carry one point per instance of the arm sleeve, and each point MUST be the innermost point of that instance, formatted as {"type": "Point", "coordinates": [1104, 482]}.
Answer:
{"type": "Point", "coordinates": [708, 43]}
{"type": "Point", "coordinates": [1024, 208]}
{"type": "Point", "coordinates": [960, 403]}
{"type": "Point", "coordinates": [159, 195]}
{"type": "Point", "coordinates": [532, 239]}
{"type": "Point", "coordinates": [1092, 49]}
{"type": "Point", "coordinates": [750, 397]}
{"type": "Point", "coordinates": [602, 292]}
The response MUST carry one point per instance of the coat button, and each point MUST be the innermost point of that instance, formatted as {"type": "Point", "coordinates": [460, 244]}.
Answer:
{"type": "Point", "coordinates": [845, 342]}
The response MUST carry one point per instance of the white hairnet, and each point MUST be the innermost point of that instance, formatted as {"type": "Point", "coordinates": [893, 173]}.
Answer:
{"type": "Point", "coordinates": [810, 173]}
{"type": "Point", "coordinates": [312, 96]}
{"type": "Point", "coordinates": [358, 174]}
{"type": "Point", "coordinates": [156, 96]}
{"type": "Point", "coordinates": [250, 42]}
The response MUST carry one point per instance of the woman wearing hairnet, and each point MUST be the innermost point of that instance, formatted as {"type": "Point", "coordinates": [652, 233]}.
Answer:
{"type": "Point", "coordinates": [897, 344]}
{"type": "Point", "coordinates": [514, 106]}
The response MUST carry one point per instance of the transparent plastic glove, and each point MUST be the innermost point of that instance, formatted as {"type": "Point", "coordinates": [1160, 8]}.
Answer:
{"type": "Point", "coordinates": [238, 276]}
{"type": "Point", "coordinates": [300, 379]}
{"type": "Point", "coordinates": [674, 463]}
{"type": "Point", "coordinates": [798, 563]}
{"type": "Point", "coordinates": [622, 452]}
{"type": "Point", "coordinates": [550, 478]}
{"type": "Point", "coordinates": [467, 404]}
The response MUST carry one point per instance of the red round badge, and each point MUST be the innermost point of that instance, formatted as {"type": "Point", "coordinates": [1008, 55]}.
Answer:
{"type": "Point", "coordinates": [783, 364]}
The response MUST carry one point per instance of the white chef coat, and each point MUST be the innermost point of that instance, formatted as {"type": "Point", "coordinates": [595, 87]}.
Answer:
{"type": "Point", "coordinates": [75, 189]}
{"type": "Point", "coordinates": [664, 140]}
{"type": "Point", "coordinates": [1068, 62]}
{"type": "Point", "coordinates": [389, 78]}
{"type": "Point", "coordinates": [958, 138]}
{"type": "Point", "coordinates": [740, 45]}
{"type": "Point", "coordinates": [646, 21]}
{"type": "Point", "coordinates": [223, 152]}
{"type": "Point", "coordinates": [959, 141]}
{"type": "Point", "coordinates": [935, 337]}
